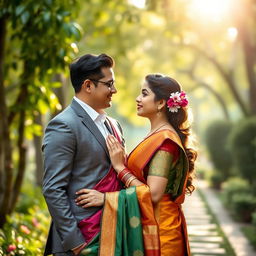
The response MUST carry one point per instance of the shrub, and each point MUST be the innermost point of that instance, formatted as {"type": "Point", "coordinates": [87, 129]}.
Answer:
{"type": "Point", "coordinates": [232, 186]}
{"type": "Point", "coordinates": [243, 144]}
{"type": "Point", "coordinates": [216, 141]}
{"type": "Point", "coordinates": [250, 233]}
{"type": "Point", "coordinates": [243, 206]}
{"type": "Point", "coordinates": [25, 234]}
{"type": "Point", "coordinates": [254, 218]}
{"type": "Point", "coordinates": [29, 196]}
{"type": "Point", "coordinates": [216, 179]}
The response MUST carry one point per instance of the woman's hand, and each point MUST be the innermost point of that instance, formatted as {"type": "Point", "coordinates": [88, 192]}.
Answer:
{"type": "Point", "coordinates": [89, 197]}
{"type": "Point", "coordinates": [116, 152]}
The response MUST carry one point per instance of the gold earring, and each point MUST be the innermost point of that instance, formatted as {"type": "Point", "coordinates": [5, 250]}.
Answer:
{"type": "Point", "coordinates": [158, 111]}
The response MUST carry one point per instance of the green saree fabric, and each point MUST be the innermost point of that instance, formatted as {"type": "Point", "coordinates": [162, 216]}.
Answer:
{"type": "Point", "coordinates": [125, 223]}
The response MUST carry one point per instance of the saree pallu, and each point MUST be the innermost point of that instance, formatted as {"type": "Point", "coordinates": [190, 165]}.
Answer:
{"type": "Point", "coordinates": [168, 212]}
{"type": "Point", "coordinates": [128, 225]}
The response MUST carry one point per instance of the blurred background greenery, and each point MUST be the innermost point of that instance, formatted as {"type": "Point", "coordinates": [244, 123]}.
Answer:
{"type": "Point", "coordinates": [208, 46]}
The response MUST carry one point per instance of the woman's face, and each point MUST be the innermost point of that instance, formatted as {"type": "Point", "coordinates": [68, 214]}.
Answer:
{"type": "Point", "coordinates": [146, 104]}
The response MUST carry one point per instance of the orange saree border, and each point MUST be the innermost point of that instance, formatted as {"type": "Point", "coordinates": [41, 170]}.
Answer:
{"type": "Point", "coordinates": [149, 224]}
{"type": "Point", "coordinates": [108, 224]}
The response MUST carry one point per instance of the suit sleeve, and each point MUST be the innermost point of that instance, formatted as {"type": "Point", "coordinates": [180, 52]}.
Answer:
{"type": "Point", "coordinates": [59, 148]}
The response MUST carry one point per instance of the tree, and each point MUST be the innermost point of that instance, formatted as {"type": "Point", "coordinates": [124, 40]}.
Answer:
{"type": "Point", "coordinates": [225, 48]}
{"type": "Point", "coordinates": [36, 42]}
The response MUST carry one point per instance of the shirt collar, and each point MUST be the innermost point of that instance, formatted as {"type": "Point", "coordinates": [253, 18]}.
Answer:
{"type": "Point", "coordinates": [90, 111]}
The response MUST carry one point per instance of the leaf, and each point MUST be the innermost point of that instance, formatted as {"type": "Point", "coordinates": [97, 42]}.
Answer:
{"type": "Point", "coordinates": [19, 9]}
{"type": "Point", "coordinates": [59, 17]}
{"type": "Point", "coordinates": [65, 13]}
{"type": "Point", "coordinates": [47, 16]}
{"type": "Point", "coordinates": [49, 2]}
{"type": "Point", "coordinates": [25, 17]}
{"type": "Point", "coordinates": [76, 31]}
{"type": "Point", "coordinates": [56, 84]}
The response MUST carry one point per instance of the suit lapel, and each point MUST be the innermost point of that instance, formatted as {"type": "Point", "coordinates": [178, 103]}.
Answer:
{"type": "Point", "coordinates": [88, 122]}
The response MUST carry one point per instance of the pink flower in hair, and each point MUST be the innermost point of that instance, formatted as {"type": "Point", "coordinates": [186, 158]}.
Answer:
{"type": "Point", "coordinates": [177, 100]}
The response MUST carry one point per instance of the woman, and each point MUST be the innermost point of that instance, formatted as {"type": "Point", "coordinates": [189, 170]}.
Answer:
{"type": "Point", "coordinates": [162, 160]}
{"type": "Point", "coordinates": [157, 174]}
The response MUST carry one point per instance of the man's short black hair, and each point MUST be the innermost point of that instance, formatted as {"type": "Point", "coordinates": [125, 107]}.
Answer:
{"type": "Point", "coordinates": [88, 66]}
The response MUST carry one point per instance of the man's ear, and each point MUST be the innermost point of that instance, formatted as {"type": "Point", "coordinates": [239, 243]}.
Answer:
{"type": "Point", "coordinates": [87, 85]}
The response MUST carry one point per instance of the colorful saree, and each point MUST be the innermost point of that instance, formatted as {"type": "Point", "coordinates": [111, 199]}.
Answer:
{"type": "Point", "coordinates": [168, 212]}
{"type": "Point", "coordinates": [130, 225]}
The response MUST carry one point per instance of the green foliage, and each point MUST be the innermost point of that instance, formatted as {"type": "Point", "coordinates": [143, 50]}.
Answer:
{"type": "Point", "coordinates": [238, 197]}
{"type": "Point", "coordinates": [232, 186]}
{"type": "Point", "coordinates": [215, 178]}
{"type": "Point", "coordinates": [243, 145]}
{"type": "Point", "coordinates": [44, 30]}
{"type": "Point", "coordinates": [38, 42]}
{"type": "Point", "coordinates": [29, 197]}
{"type": "Point", "coordinates": [216, 142]}
{"type": "Point", "coordinates": [254, 218]}
{"type": "Point", "coordinates": [250, 233]}
{"type": "Point", "coordinates": [41, 42]}
{"type": "Point", "coordinates": [25, 234]}
{"type": "Point", "coordinates": [243, 205]}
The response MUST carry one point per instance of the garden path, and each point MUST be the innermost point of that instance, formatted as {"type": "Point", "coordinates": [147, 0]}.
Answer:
{"type": "Point", "coordinates": [207, 237]}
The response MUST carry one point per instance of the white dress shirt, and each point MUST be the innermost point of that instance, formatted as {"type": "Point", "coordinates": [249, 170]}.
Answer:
{"type": "Point", "coordinates": [98, 119]}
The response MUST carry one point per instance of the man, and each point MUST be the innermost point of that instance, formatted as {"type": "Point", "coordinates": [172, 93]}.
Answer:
{"type": "Point", "coordinates": [76, 156]}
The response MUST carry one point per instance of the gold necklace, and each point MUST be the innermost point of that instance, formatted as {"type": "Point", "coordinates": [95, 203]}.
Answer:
{"type": "Point", "coordinates": [156, 130]}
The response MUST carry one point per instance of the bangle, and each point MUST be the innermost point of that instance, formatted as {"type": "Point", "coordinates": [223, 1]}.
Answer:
{"type": "Point", "coordinates": [121, 174]}
{"type": "Point", "coordinates": [129, 181]}
{"type": "Point", "coordinates": [126, 178]}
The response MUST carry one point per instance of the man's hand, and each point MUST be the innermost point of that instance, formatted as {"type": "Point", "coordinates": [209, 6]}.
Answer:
{"type": "Point", "coordinates": [89, 197]}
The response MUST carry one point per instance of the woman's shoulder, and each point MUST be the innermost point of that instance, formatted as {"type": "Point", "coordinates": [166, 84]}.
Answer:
{"type": "Point", "coordinates": [168, 134]}
{"type": "Point", "coordinates": [170, 141]}
{"type": "Point", "coordinates": [170, 147]}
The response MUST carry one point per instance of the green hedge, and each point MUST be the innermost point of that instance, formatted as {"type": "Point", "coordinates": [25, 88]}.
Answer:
{"type": "Point", "coordinates": [243, 145]}
{"type": "Point", "coordinates": [238, 197]}
{"type": "Point", "coordinates": [232, 186]}
{"type": "Point", "coordinates": [216, 136]}
{"type": "Point", "coordinates": [243, 205]}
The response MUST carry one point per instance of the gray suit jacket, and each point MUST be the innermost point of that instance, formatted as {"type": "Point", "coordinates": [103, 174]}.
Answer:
{"type": "Point", "coordinates": [75, 157]}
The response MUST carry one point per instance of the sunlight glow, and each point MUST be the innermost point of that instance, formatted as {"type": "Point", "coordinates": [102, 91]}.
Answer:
{"type": "Point", "coordinates": [232, 33]}
{"type": "Point", "coordinates": [138, 3]}
{"type": "Point", "coordinates": [214, 10]}
{"type": "Point", "coordinates": [43, 90]}
{"type": "Point", "coordinates": [28, 122]}
{"type": "Point", "coordinates": [52, 96]}
{"type": "Point", "coordinates": [58, 106]}
{"type": "Point", "coordinates": [74, 47]}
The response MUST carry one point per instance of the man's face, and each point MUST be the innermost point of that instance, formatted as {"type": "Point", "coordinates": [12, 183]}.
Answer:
{"type": "Point", "coordinates": [101, 94]}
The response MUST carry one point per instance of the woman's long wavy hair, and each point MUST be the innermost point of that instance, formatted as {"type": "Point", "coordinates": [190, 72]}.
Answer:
{"type": "Point", "coordinates": [162, 87]}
